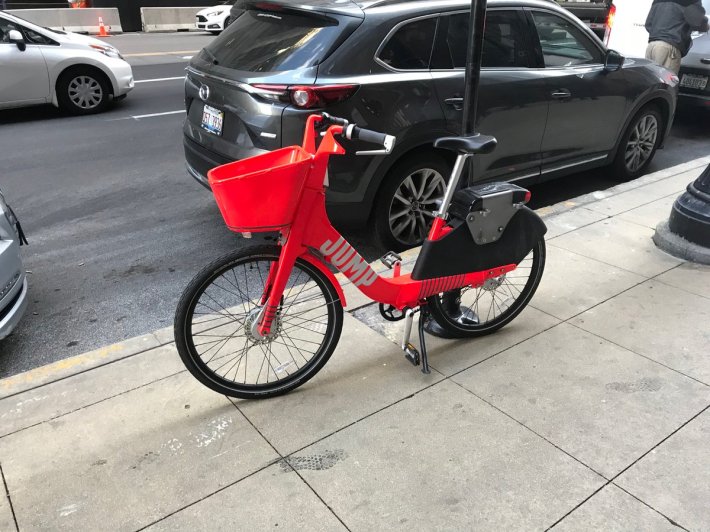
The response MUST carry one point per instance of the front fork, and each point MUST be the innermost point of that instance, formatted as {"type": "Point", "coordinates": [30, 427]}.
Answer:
{"type": "Point", "coordinates": [279, 273]}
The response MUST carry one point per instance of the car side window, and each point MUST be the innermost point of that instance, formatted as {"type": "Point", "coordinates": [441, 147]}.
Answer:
{"type": "Point", "coordinates": [410, 47]}
{"type": "Point", "coordinates": [504, 42]}
{"type": "Point", "coordinates": [562, 43]}
{"type": "Point", "coordinates": [5, 28]}
{"type": "Point", "coordinates": [34, 37]}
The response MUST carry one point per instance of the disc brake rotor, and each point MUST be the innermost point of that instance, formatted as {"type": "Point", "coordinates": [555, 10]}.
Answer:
{"type": "Point", "coordinates": [250, 324]}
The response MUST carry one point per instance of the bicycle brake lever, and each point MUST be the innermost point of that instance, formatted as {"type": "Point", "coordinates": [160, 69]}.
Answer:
{"type": "Point", "coordinates": [388, 147]}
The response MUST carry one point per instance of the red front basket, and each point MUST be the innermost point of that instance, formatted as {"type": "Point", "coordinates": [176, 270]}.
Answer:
{"type": "Point", "coordinates": [261, 193]}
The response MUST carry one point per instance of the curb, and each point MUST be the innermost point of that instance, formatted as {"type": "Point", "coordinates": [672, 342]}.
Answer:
{"type": "Point", "coordinates": [68, 367]}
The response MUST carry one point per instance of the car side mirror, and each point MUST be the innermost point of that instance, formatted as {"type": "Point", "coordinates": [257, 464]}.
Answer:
{"type": "Point", "coordinates": [613, 61]}
{"type": "Point", "coordinates": [16, 37]}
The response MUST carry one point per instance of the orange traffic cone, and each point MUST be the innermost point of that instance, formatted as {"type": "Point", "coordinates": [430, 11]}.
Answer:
{"type": "Point", "coordinates": [102, 28]}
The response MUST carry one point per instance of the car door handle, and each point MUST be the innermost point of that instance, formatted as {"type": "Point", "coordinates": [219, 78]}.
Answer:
{"type": "Point", "coordinates": [561, 94]}
{"type": "Point", "coordinates": [705, 61]}
{"type": "Point", "coordinates": [456, 103]}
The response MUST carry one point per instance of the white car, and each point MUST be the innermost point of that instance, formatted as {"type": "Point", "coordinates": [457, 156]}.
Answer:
{"type": "Point", "coordinates": [76, 73]}
{"type": "Point", "coordinates": [214, 19]}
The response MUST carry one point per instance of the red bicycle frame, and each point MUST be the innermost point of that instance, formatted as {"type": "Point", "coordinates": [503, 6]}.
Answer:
{"type": "Point", "coordinates": [312, 238]}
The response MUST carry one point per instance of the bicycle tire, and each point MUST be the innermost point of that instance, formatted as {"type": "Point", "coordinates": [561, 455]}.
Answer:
{"type": "Point", "coordinates": [457, 318]}
{"type": "Point", "coordinates": [220, 317]}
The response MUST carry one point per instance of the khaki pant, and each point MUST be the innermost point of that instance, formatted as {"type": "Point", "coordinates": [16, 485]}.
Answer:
{"type": "Point", "coordinates": [664, 54]}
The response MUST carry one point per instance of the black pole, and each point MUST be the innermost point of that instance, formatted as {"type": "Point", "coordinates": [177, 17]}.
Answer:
{"type": "Point", "coordinates": [686, 234]}
{"type": "Point", "coordinates": [474, 58]}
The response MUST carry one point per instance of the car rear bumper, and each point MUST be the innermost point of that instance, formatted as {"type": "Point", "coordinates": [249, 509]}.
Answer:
{"type": "Point", "coordinates": [701, 100]}
{"type": "Point", "coordinates": [200, 160]}
{"type": "Point", "coordinates": [14, 306]}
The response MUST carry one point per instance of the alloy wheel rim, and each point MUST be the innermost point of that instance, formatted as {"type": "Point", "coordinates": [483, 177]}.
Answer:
{"type": "Point", "coordinates": [641, 143]}
{"type": "Point", "coordinates": [414, 203]}
{"type": "Point", "coordinates": [85, 92]}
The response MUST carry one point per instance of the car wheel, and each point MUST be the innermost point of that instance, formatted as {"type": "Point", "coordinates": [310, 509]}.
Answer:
{"type": "Point", "coordinates": [227, 22]}
{"type": "Point", "coordinates": [408, 199]}
{"type": "Point", "coordinates": [639, 143]}
{"type": "Point", "coordinates": [83, 91]}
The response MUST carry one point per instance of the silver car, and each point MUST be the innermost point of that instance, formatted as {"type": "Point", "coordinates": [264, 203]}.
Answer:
{"type": "Point", "coordinates": [13, 283]}
{"type": "Point", "coordinates": [79, 74]}
{"type": "Point", "coordinates": [695, 70]}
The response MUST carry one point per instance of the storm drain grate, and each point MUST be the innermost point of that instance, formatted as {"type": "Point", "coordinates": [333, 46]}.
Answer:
{"type": "Point", "coordinates": [313, 462]}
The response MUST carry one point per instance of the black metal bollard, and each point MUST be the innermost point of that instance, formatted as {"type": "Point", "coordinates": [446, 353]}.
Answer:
{"type": "Point", "coordinates": [686, 234]}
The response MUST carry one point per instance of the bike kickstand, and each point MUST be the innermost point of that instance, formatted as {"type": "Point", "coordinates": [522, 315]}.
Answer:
{"type": "Point", "coordinates": [422, 340]}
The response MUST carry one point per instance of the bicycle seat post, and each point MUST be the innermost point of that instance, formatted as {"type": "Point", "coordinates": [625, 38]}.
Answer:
{"type": "Point", "coordinates": [452, 185]}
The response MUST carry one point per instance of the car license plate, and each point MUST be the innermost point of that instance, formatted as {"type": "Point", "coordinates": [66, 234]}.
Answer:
{"type": "Point", "coordinates": [693, 81]}
{"type": "Point", "coordinates": [212, 119]}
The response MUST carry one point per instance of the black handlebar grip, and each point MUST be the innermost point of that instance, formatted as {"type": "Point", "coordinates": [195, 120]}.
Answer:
{"type": "Point", "coordinates": [334, 120]}
{"type": "Point", "coordinates": [366, 135]}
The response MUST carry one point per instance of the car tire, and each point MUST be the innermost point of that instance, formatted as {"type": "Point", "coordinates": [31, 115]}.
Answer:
{"type": "Point", "coordinates": [227, 22]}
{"type": "Point", "coordinates": [639, 143]}
{"type": "Point", "coordinates": [419, 179]}
{"type": "Point", "coordinates": [83, 91]}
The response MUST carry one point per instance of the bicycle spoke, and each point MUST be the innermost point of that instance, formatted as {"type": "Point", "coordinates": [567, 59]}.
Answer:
{"type": "Point", "coordinates": [224, 338]}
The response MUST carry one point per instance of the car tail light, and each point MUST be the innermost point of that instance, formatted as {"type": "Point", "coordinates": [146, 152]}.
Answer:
{"type": "Point", "coordinates": [609, 23]}
{"type": "Point", "coordinates": [305, 96]}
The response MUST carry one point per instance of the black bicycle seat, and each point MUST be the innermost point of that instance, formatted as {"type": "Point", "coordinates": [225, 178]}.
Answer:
{"type": "Point", "coordinates": [471, 145]}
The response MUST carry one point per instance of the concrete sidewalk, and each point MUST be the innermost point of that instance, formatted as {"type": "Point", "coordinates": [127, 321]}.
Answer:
{"type": "Point", "coordinates": [588, 412]}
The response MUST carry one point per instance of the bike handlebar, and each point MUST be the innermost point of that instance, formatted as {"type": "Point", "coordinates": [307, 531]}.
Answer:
{"type": "Point", "coordinates": [353, 132]}
{"type": "Point", "coordinates": [334, 120]}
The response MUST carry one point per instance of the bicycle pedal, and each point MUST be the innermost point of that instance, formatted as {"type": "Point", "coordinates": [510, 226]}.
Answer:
{"type": "Point", "coordinates": [390, 258]}
{"type": "Point", "coordinates": [390, 313]}
{"type": "Point", "coordinates": [411, 354]}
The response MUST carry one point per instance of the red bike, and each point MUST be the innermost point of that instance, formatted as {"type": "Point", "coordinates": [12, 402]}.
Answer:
{"type": "Point", "coordinates": [263, 320]}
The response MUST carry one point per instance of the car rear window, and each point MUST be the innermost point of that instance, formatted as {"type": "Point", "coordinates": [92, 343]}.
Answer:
{"type": "Point", "coordinates": [265, 41]}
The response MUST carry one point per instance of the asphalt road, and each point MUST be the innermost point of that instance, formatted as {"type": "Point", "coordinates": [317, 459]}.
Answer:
{"type": "Point", "coordinates": [117, 228]}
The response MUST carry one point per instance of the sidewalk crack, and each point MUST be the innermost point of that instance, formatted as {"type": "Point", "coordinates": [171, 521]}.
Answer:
{"type": "Point", "coordinates": [284, 461]}
{"type": "Point", "coordinates": [656, 278]}
{"type": "Point", "coordinates": [637, 353]}
{"type": "Point", "coordinates": [9, 499]}
{"type": "Point", "coordinates": [671, 521]}
{"type": "Point", "coordinates": [83, 407]}
{"type": "Point", "coordinates": [613, 479]}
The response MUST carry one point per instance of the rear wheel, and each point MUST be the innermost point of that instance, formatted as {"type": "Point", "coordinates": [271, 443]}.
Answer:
{"type": "Point", "coordinates": [470, 312]}
{"type": "Point", "coordinates": [216, 316]}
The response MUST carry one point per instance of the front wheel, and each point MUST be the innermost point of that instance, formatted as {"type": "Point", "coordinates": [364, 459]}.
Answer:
{"type": "Point", "coordinates": [639, 143]}
{"type": "Point", "coordinates": [83, 91]}
{"type": "Point", "coordinates": [214, 326]}
{"type": "Point", "coordinates": [469, 312]}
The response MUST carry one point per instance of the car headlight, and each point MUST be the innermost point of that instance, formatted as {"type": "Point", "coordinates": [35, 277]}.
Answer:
{"type": "Point", "coordinates": [213, 14]}
{"type": "Point", "coordinates": [9, 215]}
{"type": "Point", "coordinates": [108, 51]}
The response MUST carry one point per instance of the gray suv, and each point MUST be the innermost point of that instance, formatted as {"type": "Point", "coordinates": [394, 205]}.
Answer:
{"type": "Point", "coordinates": [557, 100]}
{"type": "Point", "coordinates": [13, 284]}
